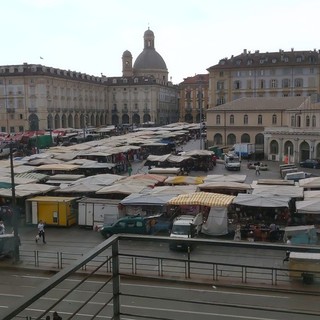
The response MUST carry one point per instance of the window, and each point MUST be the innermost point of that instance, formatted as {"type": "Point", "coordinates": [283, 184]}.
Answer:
{"type": "Point", "coordinates": [221, 74]}
{"type": "Point", "coordinates": [249, 73]}
{"type": "Point", "coordinates": [299, 59]}
{"type": "Point", "coordinates": [274, 60]}
{"type": "Point", "coordinates": [245, 119]}
{"type": "Point", "coordinates": [314, 121]}
{"type": "Point", "coordinates": [298, 83]}
{"type": "Point", "coordinates": [220, 101]}
{"type": "Point", "coordinates": [231, 119]}
{"type": "Point", "coordinates": [236, 85]}
{"type": "Point", "coordinates": [21, 129]}
{"type": "Point", "coordinates": [220, 85]}
{"type": "Point", "coordinates": [249, 84]}
{"type": "Point", "coordinates": [261, 72]}
{"type": "Point", "coordinates": [307, 121]}
{"type": "Point", "coordinates": [286, 83]}
{"type": "Point", "coordinates": [259, 119]}
{"type": "Point", "coordinates": [292, 121]}
{"type": "Point", "coordinates": [139, 224]}
{"type": "Point", "coordinates": [218, 119]}
{"type": "Point", "coordinates": [261, 84]}
{"type": "Point", "coordinates": [11, 129]}
{"type": "Point", "coordinates": [286, 59]}
{"type": "Point", "coordinates": [3, 129]}
{"type": "Point", "coordinates": [249, 62]}
{"type": "Point", "coordinates": [274, 83]}
{"type": "Point", "coordinates": [274, 119]}
{"type": "Point", "coordinates": [238, 73]}
{"type": "Point", "coordinates": [238, 62]}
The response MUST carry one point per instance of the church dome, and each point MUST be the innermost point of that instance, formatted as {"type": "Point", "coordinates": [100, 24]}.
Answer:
{"type": "Point", "coordinates": [149, 58]}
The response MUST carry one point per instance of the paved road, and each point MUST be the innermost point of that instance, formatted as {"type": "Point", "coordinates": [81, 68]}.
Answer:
{"type": "Point", "coordinates": [166, 300]}
{"type": "Point", "coordinates": [272, 172]}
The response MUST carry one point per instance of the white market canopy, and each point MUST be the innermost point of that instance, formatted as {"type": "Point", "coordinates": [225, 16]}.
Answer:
{"type": "Point", "coordinates": [253, 200]}
{"type": "Point", "coordinates": [227, 178]}
{"type": "Point", "coordinates": [173, 190]}
{"type": "Point", "coordinates": [121, 188]}
{"type": "Point", "coordinates": [310, 183]}
{"type": "Point", "coordinates": [100, 179]}
{"type": "Point", "coordinates": [140, 199]}
{"type": "Point", "coordinates": [224, 185]}
{"type": "Point", "coordinates": [273, 190]}
{"type": "Point", "coordinates": [26, 190]}
{"type": "Point", "coordinates": [310, 206]}
{"type": "Point", "coordinates": [311, 194]}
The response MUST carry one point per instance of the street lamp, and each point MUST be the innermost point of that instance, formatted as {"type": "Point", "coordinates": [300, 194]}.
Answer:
{"type": "Point", "coordinates": [16, 253]}
{"type": "Point", "coordinates": [200, 113]}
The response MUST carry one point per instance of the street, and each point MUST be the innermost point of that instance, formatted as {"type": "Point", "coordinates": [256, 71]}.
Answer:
{"type": "Point", "coordinates": [165, 300]}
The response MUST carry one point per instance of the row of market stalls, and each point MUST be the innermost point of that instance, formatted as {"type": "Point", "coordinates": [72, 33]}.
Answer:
{"type": "Point", "coordinates": [69, 185]}
{"type": "Point", "coordinates": [67, 199]}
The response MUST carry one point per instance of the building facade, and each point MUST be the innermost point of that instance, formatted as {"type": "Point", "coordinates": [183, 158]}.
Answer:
{"type": "Point", "coordinates": [278, 127]}
{"type": "Point", "coordinates": [194, 98]}
{"type": "Point", "coordinates": [37, 97]}
{"type": "Point", "coordinates": [269, 74]}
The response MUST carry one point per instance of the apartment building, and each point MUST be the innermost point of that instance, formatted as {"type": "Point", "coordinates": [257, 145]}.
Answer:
{"type": "Point", "coordinates": [279, 127]}
{"type": "Point", "coordinates": [38, 97]}
{"type": "Point", "coordinates": [268, 74]}
{"type": "Point", "coordinates": [194, 98]}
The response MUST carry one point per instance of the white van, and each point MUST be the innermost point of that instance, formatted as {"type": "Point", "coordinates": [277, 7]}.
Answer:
{"type": "Point", "coordinates": [232, 162]}
{"type": "Point", "coordinates": [184, 227]}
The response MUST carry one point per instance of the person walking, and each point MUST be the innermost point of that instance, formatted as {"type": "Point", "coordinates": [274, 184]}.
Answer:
{"type": "Point", "coordinates": [257, 169]}
{"type": "Point", "coordinates": [129, 169]}
{"type": "Point", "coordinates": [2, 227]}
{"type": "Point", "coordinates": [41, 233]}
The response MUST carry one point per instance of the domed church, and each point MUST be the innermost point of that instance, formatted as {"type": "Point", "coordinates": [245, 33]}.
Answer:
{"type": "Point", "coordinates": [145, 95]}
{"type": "Point", "coordinates": [149, 63]}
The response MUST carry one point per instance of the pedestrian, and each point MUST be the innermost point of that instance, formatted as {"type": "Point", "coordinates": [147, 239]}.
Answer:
{"type": "Point", "coordinates": [56, 316]}
{"type": "Point", "coordinates": [2, 228]}
{"type": "Point", "coordinates": [287, 257]}
{"type": "Point", "coordinates": [257, 169]}
{"type": "Point", "coordinates": [129, 169]}
{"type": "Point", "coordinates": [41, 233]}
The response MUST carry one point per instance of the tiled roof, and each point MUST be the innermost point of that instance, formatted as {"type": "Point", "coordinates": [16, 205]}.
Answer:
{"type": "Point", "coordinates": [281, 103]}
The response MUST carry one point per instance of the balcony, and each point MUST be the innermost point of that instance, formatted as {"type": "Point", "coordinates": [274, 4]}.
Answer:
{"type": "Point", "coordinates": [101, 272]}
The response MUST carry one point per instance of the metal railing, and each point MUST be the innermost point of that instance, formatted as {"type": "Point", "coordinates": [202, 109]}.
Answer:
{"type": "Point", "coordinates": [110, 261]}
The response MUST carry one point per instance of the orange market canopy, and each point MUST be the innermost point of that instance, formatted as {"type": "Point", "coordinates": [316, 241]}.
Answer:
{"type": "Point", "coordinates": [203, 199]}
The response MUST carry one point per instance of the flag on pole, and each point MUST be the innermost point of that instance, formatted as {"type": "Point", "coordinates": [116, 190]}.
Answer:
{"type": "Point", "coordinates": [41, 58]}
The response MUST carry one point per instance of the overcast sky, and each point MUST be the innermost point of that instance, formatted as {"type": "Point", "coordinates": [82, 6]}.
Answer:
{"type": "Point", "coordinates": [90, 36]}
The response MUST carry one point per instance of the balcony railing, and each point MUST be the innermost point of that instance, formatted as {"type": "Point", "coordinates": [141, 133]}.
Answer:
{"type": "Point", "coordinates": [109, 261]}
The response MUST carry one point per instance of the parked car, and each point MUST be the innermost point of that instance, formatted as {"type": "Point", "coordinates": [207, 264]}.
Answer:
{"type": "Point", "coordinates": [129, 224]}
{"type": "Point", "coordinates": [310, 163]}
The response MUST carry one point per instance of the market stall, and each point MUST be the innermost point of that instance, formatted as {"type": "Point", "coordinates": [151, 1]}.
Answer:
{"type": "Point", "coordinates": [214, 207]}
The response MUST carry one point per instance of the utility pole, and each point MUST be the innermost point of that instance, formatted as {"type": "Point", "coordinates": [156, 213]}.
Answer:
{"type": "Point", "coordinates": [200, 112]}
{"type": "Point", "coordinates": [16, 252]}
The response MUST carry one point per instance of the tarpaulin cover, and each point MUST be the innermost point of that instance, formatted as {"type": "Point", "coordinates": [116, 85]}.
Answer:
{"type": "Point", "coordinates": [310, 206]}
{"type": "Point", "coordinates": [252, 200]}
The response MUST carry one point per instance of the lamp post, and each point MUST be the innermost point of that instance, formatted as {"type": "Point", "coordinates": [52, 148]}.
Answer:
{"type": "Point", "coordinates": [200, 113]}
{"type": "Point", "coordinates": [16, 253]}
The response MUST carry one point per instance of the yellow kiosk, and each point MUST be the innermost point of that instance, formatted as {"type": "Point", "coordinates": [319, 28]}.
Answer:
{"type": "Point", "coordinates": [55, 211]}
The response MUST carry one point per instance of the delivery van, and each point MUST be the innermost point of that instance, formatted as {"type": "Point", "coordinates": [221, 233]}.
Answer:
{"type": "Point", "coordinates": [184, 227]}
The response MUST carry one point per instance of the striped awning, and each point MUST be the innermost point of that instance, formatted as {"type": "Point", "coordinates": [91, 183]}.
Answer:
{"type": "Point", "coordinates": [203, 198]}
